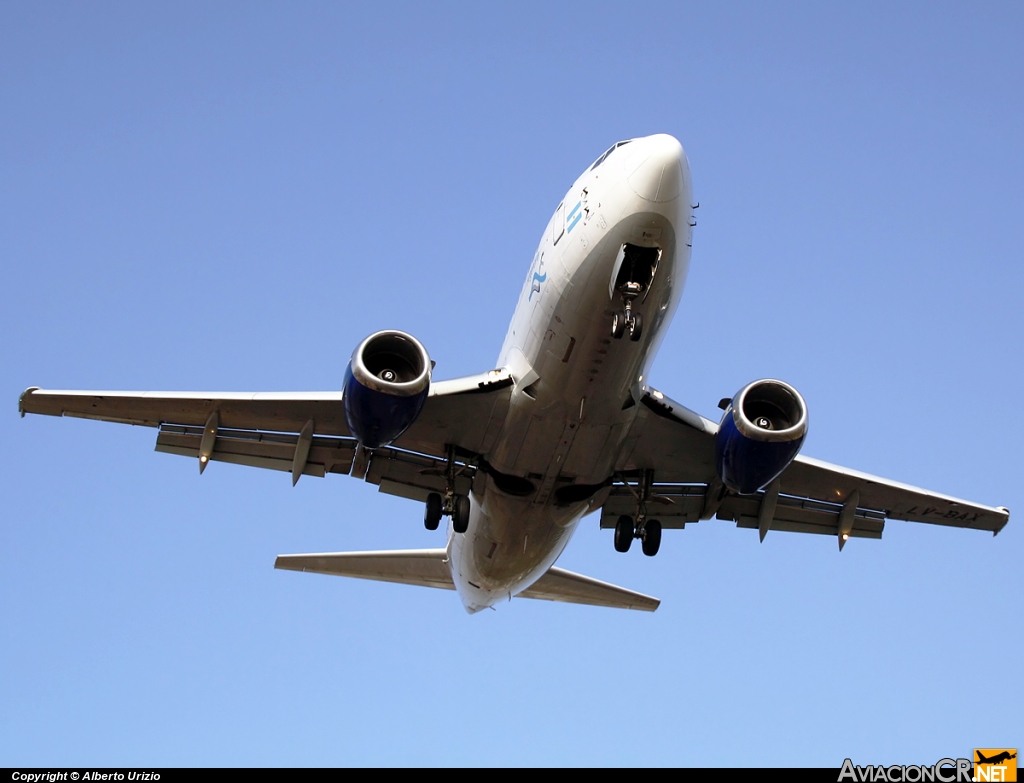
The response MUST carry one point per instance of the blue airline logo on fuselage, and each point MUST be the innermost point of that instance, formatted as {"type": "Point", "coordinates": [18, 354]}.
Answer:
{"type": "Point", "coordinates": [539, 276]}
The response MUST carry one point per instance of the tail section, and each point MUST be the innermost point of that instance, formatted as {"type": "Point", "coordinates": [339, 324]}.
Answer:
{"type": "Point", "coordinates": [429, 568]}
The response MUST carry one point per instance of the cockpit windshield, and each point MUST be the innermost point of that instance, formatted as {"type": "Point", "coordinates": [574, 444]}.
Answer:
{"type": "Point", "coordinates": [610, 150]}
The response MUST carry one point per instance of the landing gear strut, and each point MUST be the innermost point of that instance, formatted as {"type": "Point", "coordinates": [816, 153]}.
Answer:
{"type": "Point", "coordinates": [647, 530]}
{"type": "Point", "coordinates": [455, 506]}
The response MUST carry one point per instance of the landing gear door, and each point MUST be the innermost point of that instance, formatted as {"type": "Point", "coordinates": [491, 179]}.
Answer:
{"type": "Point", "coordinates": [634, 271]}
{"type": "Point", "coordinates": [615, 271]}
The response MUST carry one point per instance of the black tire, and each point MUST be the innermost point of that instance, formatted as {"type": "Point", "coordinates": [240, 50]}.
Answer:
{"type": "Point", "coordinates": [460, 514]}
{"type": "Point", "coordinates": [618, 324]}
{"type": "Point", "coordinates": [652, 537]}
{"type": "Point", "coordinates": [636, 327]}
{"type": "Point", "coordinates": [623, 534]}
{"type": "Point", "coordinates": [432, 513]}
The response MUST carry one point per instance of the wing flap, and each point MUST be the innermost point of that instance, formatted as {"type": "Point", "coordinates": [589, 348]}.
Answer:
{"type": "Point", "coordinates": [561, 585]}
{"type": "Point", "coordinates": [413, 475]}
{"type": "Point", "coordinates": [269, 450]}
{"type": "Point", "coordinates": [420, 567]}
{"type": "Point", "coordinates": [675, 506]}
{"type": "Point", "coordinates": [808, 477]}
{"type": "Point", "coordinates": [672, 505]}
{"type": "Point", "coordinates": [801, 515]}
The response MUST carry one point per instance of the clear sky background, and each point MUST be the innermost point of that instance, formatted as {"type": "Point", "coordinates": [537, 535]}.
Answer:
{"type": "Point", "coordinates": [231, 196]}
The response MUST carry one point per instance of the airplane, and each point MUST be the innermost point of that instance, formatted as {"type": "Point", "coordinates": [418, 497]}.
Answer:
{"type": "Point", "coordinates": [996, 759]}
{"type": "Point", "coordinates": [566, 423]}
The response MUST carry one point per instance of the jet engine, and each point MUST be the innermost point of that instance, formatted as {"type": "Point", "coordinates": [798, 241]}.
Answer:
{"type": "Point", "coordinates": [761, 432]}
{"type": "Point", "coordinates": [386, 384]}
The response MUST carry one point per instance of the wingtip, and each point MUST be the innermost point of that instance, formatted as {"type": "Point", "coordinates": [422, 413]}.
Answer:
{"type": "Point", "coordinates": [288, 563]}
{"type": "Point", "coordinates": [1006, 521]}
{"type": "Point", "coordinates": [21, 399]}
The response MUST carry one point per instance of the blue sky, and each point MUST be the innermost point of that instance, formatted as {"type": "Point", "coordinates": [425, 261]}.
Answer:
{"type": "Point", "coordinates": [199, 196]}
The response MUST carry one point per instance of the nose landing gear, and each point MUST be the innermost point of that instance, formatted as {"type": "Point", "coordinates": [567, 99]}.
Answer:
{"type": "Point", "coordinates": [635, 269]}
{"type": "Point", "coordinates": [626, 319]}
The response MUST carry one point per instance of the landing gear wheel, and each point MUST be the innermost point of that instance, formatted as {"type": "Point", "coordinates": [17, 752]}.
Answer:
{"type": "Point", "coordinates": [623, 534]}
{"type": "Point", "coordinates": [618, 324]}
{"type": "Point", "coordinates": [432, 513]}
{"type": "Point", "coordinates": [460, 514]}
{"type": "Point", "coordinates": [652, 537]}
{"type": "Point", "coordinates": [636, 327]}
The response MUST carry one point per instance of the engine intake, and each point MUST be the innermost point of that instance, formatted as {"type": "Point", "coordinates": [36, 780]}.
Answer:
{"type": "Point", "coordinates": [386, 384]}
{"type": "Point", "coordinates": [762, 431]}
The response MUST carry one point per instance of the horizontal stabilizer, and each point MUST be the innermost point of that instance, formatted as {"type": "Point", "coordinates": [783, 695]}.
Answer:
{"type": "Point", "coordinates": [422, 567]}
{"type": "Point", "coordinates": [429, 568]}
{"type": "Point", "coordinates": [561, 585]}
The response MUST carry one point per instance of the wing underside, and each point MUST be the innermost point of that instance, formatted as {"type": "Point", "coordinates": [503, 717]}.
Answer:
{"type": "Point", "coordinates": [676, 446]}
{"type": "Point", "coordinates": [305, 434]}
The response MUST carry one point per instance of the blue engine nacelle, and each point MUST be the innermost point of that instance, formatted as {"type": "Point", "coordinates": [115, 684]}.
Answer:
{"type": "Point", "coordinates": [761, 432]}
{"type": "Point", "coordinates": [386, 384]}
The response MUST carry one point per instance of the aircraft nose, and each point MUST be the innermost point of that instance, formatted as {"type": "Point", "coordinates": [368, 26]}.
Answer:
{"type": "Point", "coordinates": [654, 168]}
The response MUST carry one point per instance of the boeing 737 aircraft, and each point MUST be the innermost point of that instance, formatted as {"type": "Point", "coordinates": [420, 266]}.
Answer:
{"type": "Point", "coordinates": [566, 425]}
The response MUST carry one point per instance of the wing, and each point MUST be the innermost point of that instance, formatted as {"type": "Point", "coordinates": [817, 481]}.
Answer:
{"type": "Point", "coordinates": [810, 496]}
{"type": "Point", "coordinates": [304, 433]}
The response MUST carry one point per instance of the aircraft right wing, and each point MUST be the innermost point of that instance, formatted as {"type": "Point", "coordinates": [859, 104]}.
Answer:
{"type": "Point", "coordinates": [811, 496]}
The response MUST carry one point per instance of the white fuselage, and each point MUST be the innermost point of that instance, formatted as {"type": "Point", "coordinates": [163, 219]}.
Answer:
{"type": "Point", "coordinates": [570, 412]}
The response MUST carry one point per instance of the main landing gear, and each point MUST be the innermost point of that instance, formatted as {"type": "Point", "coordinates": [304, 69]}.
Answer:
{"type": "Point", "coordinates": [458, 510]}
{"type": "Point", "coordinates": [647, 530]}
{"type": "Point", "coordinates": [455, 506]}
{"type": "Point", "coordinates": [433, 512]}
{"type": "Point", "coordinates": [649, 533]}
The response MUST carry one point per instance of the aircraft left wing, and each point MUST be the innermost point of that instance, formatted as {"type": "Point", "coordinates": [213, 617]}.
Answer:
{"type": "Point", "coordinates": [303, 433]}
{"type": "Point", "coordinates": [811, 496]}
